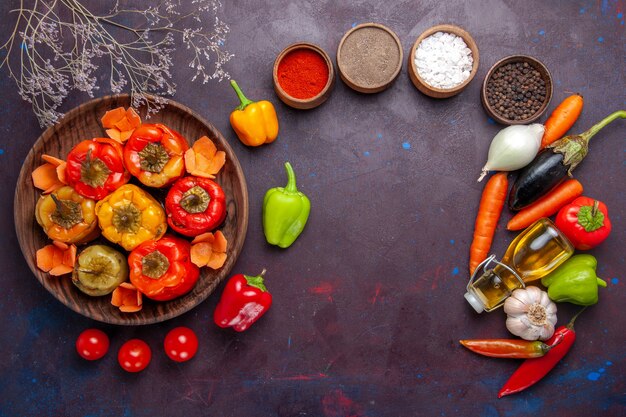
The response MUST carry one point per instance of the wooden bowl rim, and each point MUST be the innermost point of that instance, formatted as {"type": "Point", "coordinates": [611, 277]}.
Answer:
{"type": "Point", "coordinates": [469, 41]}
{"type": "Point", "coordinates": [24, 177]}
{"type": "Point", "coordinates": [543, 69]}
{"type": "Point", "coordinates": [329, 64]}
{"type": "Point", "coordinates": [374, 87]}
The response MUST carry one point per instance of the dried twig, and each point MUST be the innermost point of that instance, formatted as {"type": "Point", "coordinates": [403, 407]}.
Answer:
{"type": "Point", "coordinates": [61, 43]}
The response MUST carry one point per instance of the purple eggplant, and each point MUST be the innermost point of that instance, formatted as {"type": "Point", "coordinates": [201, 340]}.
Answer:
{"type": "Point", "coordinates": [538, 178]}
{"type": "Point", "coordinates": [553, 165]}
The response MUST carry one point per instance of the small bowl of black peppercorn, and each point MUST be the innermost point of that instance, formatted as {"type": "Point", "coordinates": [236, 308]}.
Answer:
{"type": "Point", "coordinates": [517, 90]}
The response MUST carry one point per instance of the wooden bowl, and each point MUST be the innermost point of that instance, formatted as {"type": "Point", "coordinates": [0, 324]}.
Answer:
{"type": "Point", "coordinates": [312, 102]}
{"type": "Point", "coordinates": [545, 74]}
{"type": "Point", "coordinates": [369, 57]}
{"type": "Point", "coordinates": [82, 123]}
{"type": "Point", "coordinates": [426, 88]}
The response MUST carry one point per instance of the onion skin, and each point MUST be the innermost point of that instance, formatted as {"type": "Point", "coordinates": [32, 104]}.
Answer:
{"type": "Point", "coordinates": [513, 148]}
{"type": "Point", "coordinates": [537, 179]}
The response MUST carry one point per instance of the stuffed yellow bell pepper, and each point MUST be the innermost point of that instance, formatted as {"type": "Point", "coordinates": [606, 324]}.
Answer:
{"type": "Point", "coordinates": [255, 123]}
{"type": "Point", "coordinates": [130, 216]}
{"type": "Point", "coordinates": [67, 216]}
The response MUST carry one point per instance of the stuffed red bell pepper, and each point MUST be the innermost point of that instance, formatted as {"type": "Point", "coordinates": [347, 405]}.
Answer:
{"type": "Point", "coordinates": [162, 269]}
{"type": "Point", "coordinates": [195, 205]}
{"type": "Point", "coordinates": [95, 168]}
{"type": "Point", "coordinates": [155, 154]}
{"type": "Point", "coordinates": [244, 300]}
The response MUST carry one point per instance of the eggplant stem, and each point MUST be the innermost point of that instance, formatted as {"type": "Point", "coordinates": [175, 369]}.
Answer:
{"type": "Point", "coordinates": [621, 114]}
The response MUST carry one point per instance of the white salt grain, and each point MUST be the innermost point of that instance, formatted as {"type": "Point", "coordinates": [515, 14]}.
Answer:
{"type": "Point", "coordinates": [443, 60]}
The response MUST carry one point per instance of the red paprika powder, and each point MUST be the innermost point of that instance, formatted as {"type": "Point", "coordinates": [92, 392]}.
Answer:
{"type": "Point", "coordinates": [302, 73]}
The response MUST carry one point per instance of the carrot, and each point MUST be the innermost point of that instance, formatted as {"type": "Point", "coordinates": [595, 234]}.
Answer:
{"type": "Point", "coordinates": [562, 119]}
{"type": "Point", "coordinates": [120, 123]}
{"type": "Point", "coordinates": [57, 259]}
{"type": "Point", "coordinates": [127, 298]}
{"type": "Point", "coordinates": [209, 249]}
{"type": "Point", "coordinates": [547, 205]}
{"type": "Point", "coordinates": [203, 159]}
{"type": "Point", "coordinates": [113, 116]}
{"type": "Point", "coordinates": [489, 211]}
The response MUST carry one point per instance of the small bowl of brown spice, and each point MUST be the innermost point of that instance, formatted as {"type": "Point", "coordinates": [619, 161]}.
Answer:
{"type": "Point", "coordinates": [517, 90]}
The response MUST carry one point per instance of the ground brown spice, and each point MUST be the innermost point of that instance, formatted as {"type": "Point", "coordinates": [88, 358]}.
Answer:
{"type": "Point", "coordinates": [369, 57]}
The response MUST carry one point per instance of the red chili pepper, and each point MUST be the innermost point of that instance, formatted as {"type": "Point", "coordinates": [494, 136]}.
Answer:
{"type": "Point", "coordinates": [507, 348]}
{"type": "Point", "coordinates": [585, 222]}
{"type": "Point", "coordinates": [95, 168]}
{"type": "Point", "coordinates": [155, 155]}
{"type": "Point", "coordinates": [244, 300]}
{"type": "Point", "coordinates": [532, 370]}
{"type": "Point", "coordinates": [195, 205]}
{"type": "Point", "coordinates": [162, 269]}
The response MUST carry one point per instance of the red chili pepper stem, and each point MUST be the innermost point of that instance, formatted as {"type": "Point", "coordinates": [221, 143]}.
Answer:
{"type": "Point", "coordinates": [257, 281]}
{"type": "Point", "coordinates": [570, 325]}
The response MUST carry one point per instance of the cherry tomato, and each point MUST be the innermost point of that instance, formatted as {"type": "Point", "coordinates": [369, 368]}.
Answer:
{"type": "Point", "coordinates": [92, 344]}
{"type": "Point", "coordinates": [181, 344]}
{"type": "Point", "coordinates": [134, 355]}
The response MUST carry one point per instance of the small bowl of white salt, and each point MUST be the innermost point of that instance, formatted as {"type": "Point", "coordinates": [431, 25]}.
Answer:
{"type": "Point", "coordinates": [443, 61]}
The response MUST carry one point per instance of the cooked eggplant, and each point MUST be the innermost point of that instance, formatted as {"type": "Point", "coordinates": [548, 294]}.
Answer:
{"type": "Point", "coordinates": [543, 174]}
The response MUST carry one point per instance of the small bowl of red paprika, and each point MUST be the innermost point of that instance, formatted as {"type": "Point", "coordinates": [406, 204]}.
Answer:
{"type": "Point", "coordinates": [303, 75]}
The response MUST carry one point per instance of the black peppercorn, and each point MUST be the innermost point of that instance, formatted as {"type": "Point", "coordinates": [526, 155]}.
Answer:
{"type": "Point", "coordinates": [516, 91]}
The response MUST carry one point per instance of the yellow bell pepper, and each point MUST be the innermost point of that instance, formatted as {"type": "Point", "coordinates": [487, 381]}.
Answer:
{"type": "Point", "coordinates": [130, 216]}
{"type": "Point", "coordinates": [255, 123]}
{"type": "Point", "coordinates": [67, 216]}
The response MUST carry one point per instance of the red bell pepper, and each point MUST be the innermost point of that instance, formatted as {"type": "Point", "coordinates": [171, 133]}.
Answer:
{"type": "Point", "coordinates": [585, 222]}
{"type": "Point", "coordinates": [95, 168]}
{"type": "Point", "coordinates": [244, 300]}
{"type": "Point", "coordinates": [195, 205]}
{"type": "Point", "coordinates": [532, 370]}
{"type": "Point", "coordinates": [162, 269]}
{"type": "Point", "coordinates": [155, 155]}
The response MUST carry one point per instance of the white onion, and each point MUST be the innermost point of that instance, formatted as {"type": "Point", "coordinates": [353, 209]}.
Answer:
{"type": "Point", "coordinates": [513, 148]}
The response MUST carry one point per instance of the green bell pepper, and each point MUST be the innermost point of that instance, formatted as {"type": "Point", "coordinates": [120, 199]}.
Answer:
{"type": "Point", "coordinates": [285, 212]}
{"type": "Point", "coordinates": [574, 281]}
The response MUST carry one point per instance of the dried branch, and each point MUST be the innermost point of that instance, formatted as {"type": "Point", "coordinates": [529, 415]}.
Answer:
{"type": "Point", "coordinates": [62, 43]}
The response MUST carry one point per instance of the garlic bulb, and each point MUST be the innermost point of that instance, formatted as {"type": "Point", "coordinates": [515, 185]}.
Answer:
{"type": "Point", "coordinates": [531, 315]}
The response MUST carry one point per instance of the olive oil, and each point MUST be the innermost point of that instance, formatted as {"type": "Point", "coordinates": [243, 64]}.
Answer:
{"type": "Point", "coordinates": [535, 252]}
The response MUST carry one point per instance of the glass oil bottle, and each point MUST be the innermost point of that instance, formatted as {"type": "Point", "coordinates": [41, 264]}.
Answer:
{"type": "Point", "coordinates": [535, 252]}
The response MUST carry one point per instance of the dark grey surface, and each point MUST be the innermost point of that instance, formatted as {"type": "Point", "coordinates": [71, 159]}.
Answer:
{"type": "Point", "coordinates": [368, 303]}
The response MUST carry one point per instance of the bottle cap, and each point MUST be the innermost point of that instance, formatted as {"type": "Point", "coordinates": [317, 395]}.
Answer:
{"type": "Point", "coordinates": [474, 302]}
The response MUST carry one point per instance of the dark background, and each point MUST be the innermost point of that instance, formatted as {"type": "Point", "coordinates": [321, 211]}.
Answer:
{"type": "Point", "coordinates": [368, 302]}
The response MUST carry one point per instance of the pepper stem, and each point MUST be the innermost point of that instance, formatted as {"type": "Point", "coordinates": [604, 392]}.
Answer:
{"type": "Point", "coordinates": [291, 179]}
{"type": "Point", "coordinates": [558, 340]}
{"type": "Point", "coordinates": [570, 325]}
{"type": "Point", "coordinates": [598, 126]}
{"type": "Point", "coordinates": [61, 206]}
{"type": "Point", "coordinates": [257, 281]}
{"type": "Point", "coordinates": [242, 98]}
{"type": "Point", "coordinates": [594, 209]}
